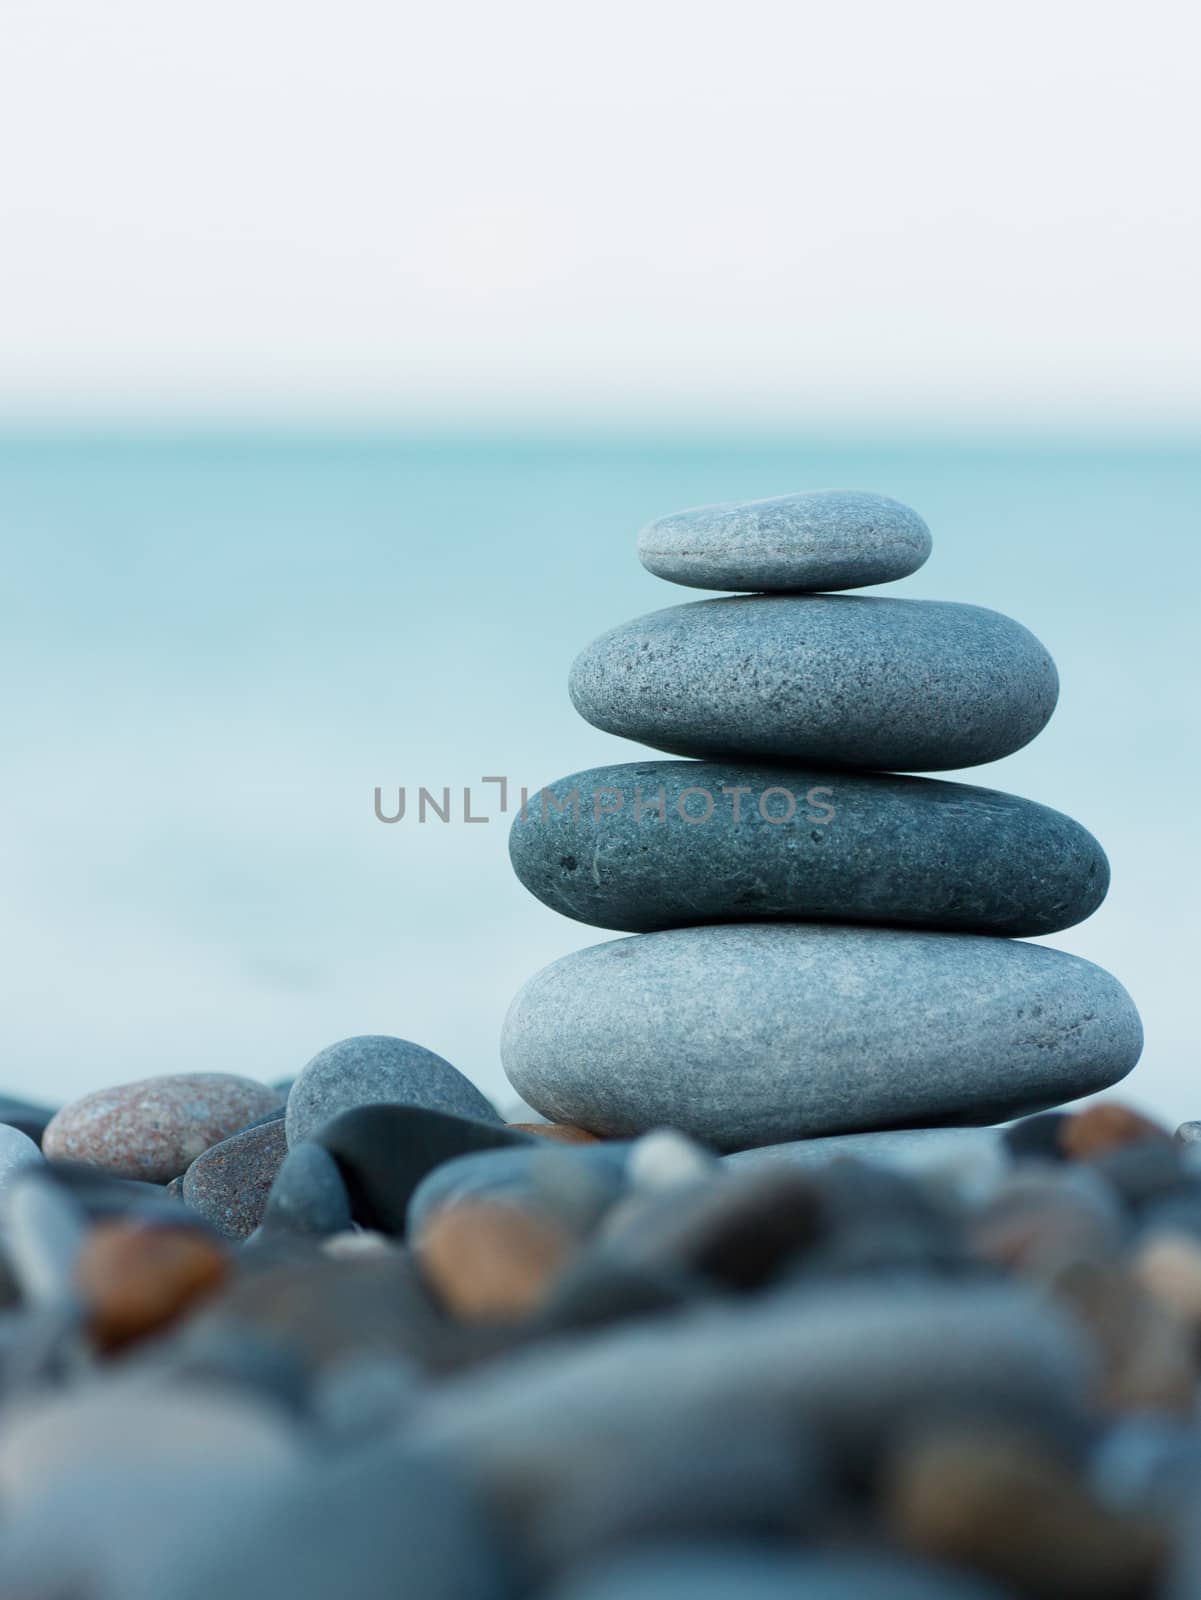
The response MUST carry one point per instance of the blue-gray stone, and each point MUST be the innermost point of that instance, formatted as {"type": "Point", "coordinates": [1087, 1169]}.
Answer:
{"type": "Point", "coordinates": [854, 1364]}
{"type": "Point", "coordinates": [909, 1148]}
{"type": "Point", "coordinates": [17, 1152]}
{"type": "Point", "coordinates": [839, 680]}
{"type": "Point", "coordinates": [734, 843]}
{"type": "Point", "coordinates": [374, 1524]}
{"type": "Point", "coordinates": [721, 1570]}
{"type": "Point", "coordinates": [751, 1034]}
{"type": "Point", "coordinates": [375, 1069]}
{"type": "Point", "coordinates": [824, 539]}
{"type": "Point", "coordinates": [575, 1182]}
{"type": "Point", "coordinates": [308, 1195]}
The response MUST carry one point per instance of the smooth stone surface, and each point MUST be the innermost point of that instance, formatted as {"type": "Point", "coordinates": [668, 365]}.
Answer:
{"type": "Point", "coordinates": [375, 1069]}
{"type": "Point", "coordinates": [229, 1184]}
{"type": "Point", "coordinates": [575, 1183]}
{"type": "Point", "coordinates": [155, 1128]}
{"type": "Point", "coordinates": [756, 1034]}
{"type": "Point", "coordinates": [719, 1570]}
{"type": "Point", "coordinates": [44, 1231]}
{"type": "Point", "coordinates": [384, 1151]}
{"type": "Point", "coordinates": [840, 680]}
{"type": "Point", "coordinates": [377, 1526]}
{"type": "Point", "coordinates": [912, 1148]}
{"type": "Point", "coordinates": [822, 539]}
{"type": "Point", "coordinates": [808, 845]}
{"type": "Point", "coordinates": [17, 1151]}
{"type": "Point", "coordinates": [308, 1195]}
{"type": "Point", "coordinates": [856, 1363]}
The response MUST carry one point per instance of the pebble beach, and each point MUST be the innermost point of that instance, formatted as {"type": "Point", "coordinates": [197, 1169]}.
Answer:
{"type": "Point", "coordinates": [795, 1270]}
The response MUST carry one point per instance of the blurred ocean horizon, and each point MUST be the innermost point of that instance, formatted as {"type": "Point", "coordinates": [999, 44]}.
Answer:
{"type": "Point", "coordinates": [220, 641]}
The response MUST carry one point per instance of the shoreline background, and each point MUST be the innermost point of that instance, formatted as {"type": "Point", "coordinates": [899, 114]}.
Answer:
{"type": "Point", "coordinates": [219, 641]}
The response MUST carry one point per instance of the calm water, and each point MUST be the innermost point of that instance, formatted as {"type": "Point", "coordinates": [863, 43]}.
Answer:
{"type": "Point", "coordinates": [215, 648]}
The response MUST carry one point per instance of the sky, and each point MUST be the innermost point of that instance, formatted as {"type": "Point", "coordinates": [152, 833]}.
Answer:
{"type": "Point", "coordinates": [673, 211]}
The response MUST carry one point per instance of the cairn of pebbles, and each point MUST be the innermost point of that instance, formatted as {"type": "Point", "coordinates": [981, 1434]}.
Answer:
{"type": "Point", "coordinates": [822, 947]}
{"type": "Point", "coordinates": [352, 1334]}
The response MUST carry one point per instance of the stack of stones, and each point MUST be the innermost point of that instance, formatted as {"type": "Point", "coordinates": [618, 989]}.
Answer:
{"type": "Point", "coordinates": [823, 947]}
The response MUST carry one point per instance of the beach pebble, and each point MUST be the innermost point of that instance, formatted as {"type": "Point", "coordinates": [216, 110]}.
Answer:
{"type": "Point", "coordinates": [1000, 1504]}
{"type": "Point", "coordinates": [906, 1148]}
{"type": "Point", "coordinates": [18, 1152]}
{"type": "Point", "coordinates": [45, 1227]}
{"type": "Point", "coordinates": [726, 1570]}
{"type": "Point", "coordinates": [492, 1262]}
{"type": "Point", "coordinates": [155, 1128]}
{"type": "Point", "coordinates": [1147, 1362]}
{"type": "Point", "coordinates": [1039, 1223]}
{"type": "Point", "coordinates": [756, 1034]}
{"type": "Point", "coordinates": [384, 1151]}
{"type": "Point", "coordinates": [374, 1069]}
{"type": "Point", "coordinates": [134, 1280]}
{"type": "Point", "coordinates": [1168, 1267]}
{"type": "Point", "coordinates": [1098, 1129]}
{"type": "Point", "coordinates": [1036, 1138]}
{"type": "Point", "coordinates": [823, 539]}
{"type": "Point", "coordinates": [562, 1132]}
{"type": "Point", "coordinates": [854, 1362]}
{"type": "Point", "coordinates": [229, 1184]}
{"type": "Point", "coordinates": [841, 680]}
{"type": "Point", "coordinates": [308, 1195]}
{"type": "Point", "coordinates": [576, 1184]}
{"type": "Point", "coordinates": [375, 1526]}
{"type": "Point", "coordinates": [663, 844]}
{"type": "Point", "coordinates": [1189, 1133]}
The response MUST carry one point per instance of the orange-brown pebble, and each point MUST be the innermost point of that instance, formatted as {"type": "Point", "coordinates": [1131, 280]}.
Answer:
{"type": "Point", "coordinates": [492, 1262]}
{"type": "Point", "coordinates": [1147, 1360]}
{"type": "Point", "coordinates": [1109, 1126]}
{"type": "Point", "coordinates": [1003, 1506]}
{"type": "Point", "coordinates": [1168, 1267]}
{"type": "Point", "coordinates": [137, 1278]}
{"type": "Point", "coordinates": [565, 1132]}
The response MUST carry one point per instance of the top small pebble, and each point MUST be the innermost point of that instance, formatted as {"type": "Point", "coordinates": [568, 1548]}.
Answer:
{"type": "Point", "coordinates": [795, 543]}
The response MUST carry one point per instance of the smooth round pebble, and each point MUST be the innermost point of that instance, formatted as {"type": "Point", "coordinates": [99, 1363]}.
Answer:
{"type": "Point", "coordinates": [229, 1184]}
{"type": "Point", "coordinates": [839, 680]}
{"type": "Point", "coordinates": [308, 1195]}
{"type": "Point", "coordinates": [155, 1128]}
{"type": "Point", "coordinates": [822, 539]}
{"type": "Point", "coordinates": [376, 1069]}
{"type": "Point", "coordinates": [755, 1034]}
{"type": "Point", "coordinates": [17, 1151]}
{"type": "Point", "coordinates": [651, 844]}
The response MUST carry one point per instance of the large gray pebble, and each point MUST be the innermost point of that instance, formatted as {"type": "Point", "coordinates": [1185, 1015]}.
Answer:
{"type": "Point", "coordinates": [376, 1069]}
{"type": "Point", "coordinates": [824, 539]}
{"type": "Point", "coordinates": [754, 1034]}
{"type": "Point", "coordinates": [853, 1365]}
{"type": "Point", "coordinates": [736, 843]}
{"type": "Point", "coordinates": [841, 680]}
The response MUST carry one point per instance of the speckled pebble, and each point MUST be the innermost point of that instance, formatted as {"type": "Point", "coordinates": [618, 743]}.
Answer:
{"type": "Point", "coordinates": [837, 680]}
{"type": "Point", "coordinates": [155, 1128]}
{"type": "Point", "coordinates": [822, 539]}
{"type": "Point", "coordinates": [651, 844]}
{"type": "Point", "coordinates": [759, 1033]}
{"type": "Point", "coordinates": [376, 1069]}
{"type": "Point", "coordinates": [229, 1184]}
